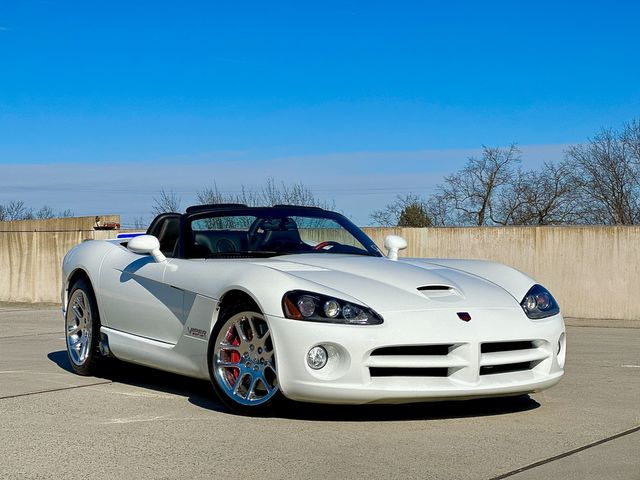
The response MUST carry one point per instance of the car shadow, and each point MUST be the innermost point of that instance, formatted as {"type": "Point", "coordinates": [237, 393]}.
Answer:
{"type": "Point", "coordinates": [200, 393]}
{"type": "Point", "coordinates": [438, 410]}
{"type": "Point", "coordinates": [61, 359]}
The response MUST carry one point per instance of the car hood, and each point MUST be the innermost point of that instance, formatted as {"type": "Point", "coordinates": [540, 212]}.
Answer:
{"type": "Point", "coordinates": [387, 285]}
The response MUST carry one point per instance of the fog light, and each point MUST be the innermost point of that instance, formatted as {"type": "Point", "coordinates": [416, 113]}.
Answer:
{"type": "Point", "coordinates": [317, 357]}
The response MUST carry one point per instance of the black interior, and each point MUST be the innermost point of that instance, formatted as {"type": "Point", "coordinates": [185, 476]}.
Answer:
{"type": "Point", "coordinates": [166, 228]}
{"type": "Point", "coordinates": [270, 234]}
{"type": "Point", "coordinates": [219, 241]}
{"type": "Point", "coordinates": [276, 234]}
{"type": "Point", "coordinates": [273, 232]}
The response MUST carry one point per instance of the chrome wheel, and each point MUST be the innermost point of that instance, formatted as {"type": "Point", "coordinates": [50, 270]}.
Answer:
{"type": "Point", "coordinates": [78, 327]}
{"type": "Point", "coordinates": [243, 360]}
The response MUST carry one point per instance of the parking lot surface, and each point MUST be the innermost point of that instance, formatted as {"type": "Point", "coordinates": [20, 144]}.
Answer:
{"type": "Point", "coordinates": [139, 423]}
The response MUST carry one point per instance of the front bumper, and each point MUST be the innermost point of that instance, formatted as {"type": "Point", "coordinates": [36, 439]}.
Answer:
{"type": "Point", "coordinates": [433, 355]}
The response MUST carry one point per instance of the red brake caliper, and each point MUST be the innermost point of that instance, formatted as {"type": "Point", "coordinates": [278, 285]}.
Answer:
{"type": "Point", "coordinates": [234, 356]}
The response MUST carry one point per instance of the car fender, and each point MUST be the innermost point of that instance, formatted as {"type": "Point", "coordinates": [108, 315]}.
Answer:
{"type": "Point", "coordinates": [264, 284]}
{"type": "Point", "coordinates": [87, 256]}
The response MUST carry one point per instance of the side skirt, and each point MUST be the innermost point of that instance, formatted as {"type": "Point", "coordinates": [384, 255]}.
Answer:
{"type": "Point", "coordinates": [188, 357]}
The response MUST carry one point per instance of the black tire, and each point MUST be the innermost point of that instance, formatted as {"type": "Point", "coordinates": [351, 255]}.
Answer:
{"type": "Point", "coordinates": [88, 363]}
{"type": "Point", "coordinates": [265, 377]}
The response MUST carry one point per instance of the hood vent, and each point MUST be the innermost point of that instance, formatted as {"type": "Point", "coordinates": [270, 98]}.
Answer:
{"type": "Point", "coordinates": [440, 292]}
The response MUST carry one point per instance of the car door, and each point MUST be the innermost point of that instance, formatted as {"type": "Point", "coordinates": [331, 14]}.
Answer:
{"type": "Point", "coordinates": [135, 298]}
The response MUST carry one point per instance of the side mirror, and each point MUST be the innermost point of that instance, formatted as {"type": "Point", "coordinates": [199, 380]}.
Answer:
{"type": "Point", "coordinates": [146, 245]}
{"type": "Point", "coordinates": [393, 243]}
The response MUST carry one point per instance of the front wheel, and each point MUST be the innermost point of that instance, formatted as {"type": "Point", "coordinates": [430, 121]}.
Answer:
{"type": "Point", "coordinates": [242, 363]}
{"type": "Point", "coordinates": [82, 329]}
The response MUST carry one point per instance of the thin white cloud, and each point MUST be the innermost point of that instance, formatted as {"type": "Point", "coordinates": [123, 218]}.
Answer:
{"type": "Point", "coordinates": [359, 182]}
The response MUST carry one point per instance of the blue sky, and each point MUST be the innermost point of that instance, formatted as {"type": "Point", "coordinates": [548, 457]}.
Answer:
{"type": "Point", "coordinates": [104, 103]}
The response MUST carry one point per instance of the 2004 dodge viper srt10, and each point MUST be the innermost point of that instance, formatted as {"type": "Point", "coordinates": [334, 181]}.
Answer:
{"type": "Point", "coordinates": [297, 302]}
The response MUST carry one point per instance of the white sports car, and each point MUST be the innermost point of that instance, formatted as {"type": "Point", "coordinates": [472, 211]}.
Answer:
{"type": "Point", "coordinates": [299, 302]}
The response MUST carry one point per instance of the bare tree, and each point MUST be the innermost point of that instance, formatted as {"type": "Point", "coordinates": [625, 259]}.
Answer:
{"type": "Point", "coordinates": [292, 194]}
{"type": "Point", "coordinates": [213, 195]}
{"type": "Point", "coordinates": [405, 211]}
{"type": "Point", "coordinates": [607, 175]}
{"type": "Point", "coordinates": [139, 223]}
{"type": "Point", "coordinates": [464, 198]}
{"type": "Point", "coordinates": [631, 139]}
{"type": "Point", "coordinates": [544, 196]}
{"type": "Point", "coordinates": [45, 213]}
{"type": "Point", "coordinates": [167, 201]}
{"type": "Point", "coordinates": [270, 194]}
{"type": "Point", "coordinates": [17, 210]}
{"type": "Point", "coordinates": [470, 193]}
{"type": "Point", "coordinates": [439, 211]}
{"type": "Point", "coordinates": [491, 190]}
{"type": "Point", "coordinates": [597, 183]}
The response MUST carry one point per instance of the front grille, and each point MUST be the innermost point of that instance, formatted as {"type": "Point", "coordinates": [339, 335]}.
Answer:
{"type": "Point", "coordinates": [414, 350]}
{"type": "Point", "coordinates": [408, 372]}
{"type": "Point", "coordinates": [505, 368]}
{"type": "Point", "coordinates": [415, 361]}
{"type": "Point", "coordinates": [507, 357]}
{"type": "Point", "coordinates": [506, 346]}
{"type": "Point", "coordinates": [465, 362]}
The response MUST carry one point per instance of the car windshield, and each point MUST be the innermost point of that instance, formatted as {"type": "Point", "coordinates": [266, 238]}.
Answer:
{"type": "Point", "coordinates": [266, 232]}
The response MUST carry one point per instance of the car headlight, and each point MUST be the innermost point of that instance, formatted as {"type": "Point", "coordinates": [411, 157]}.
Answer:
{"type": "Point", "coordinates": [315, 307]}
{"type": "Point", "coordinates": [539, 303]}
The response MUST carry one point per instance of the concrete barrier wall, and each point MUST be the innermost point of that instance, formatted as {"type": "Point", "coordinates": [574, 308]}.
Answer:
{"type": "Point", "coordinates": [594, 272]}
{"type": "Point", "coordinates": [58, 224]}
{"type": "Point", "coordinates": [31, 254]}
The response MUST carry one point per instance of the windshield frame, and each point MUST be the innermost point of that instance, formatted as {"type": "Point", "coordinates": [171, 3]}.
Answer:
{"type": "Point", "coordinates": [276, 211]}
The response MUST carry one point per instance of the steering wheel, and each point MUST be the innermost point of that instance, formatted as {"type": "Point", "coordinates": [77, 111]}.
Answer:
{"type": "Point", "coordinates": [328, 243]}
{"type": "Point", "coordinates": [252, 233]}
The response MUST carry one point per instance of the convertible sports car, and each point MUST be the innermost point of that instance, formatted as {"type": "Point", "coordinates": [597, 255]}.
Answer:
{"type": "Point", "coordinates": [298, 302]}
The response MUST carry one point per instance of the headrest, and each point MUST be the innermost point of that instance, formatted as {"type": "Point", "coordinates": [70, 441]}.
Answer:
{"type": "Point", "coordinates": [279, 224]}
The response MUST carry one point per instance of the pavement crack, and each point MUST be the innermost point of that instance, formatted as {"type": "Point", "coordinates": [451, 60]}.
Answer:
{"type": "Point", "coordinates": [566, 454]}
{"type": "Point", "coordinates": [106, 382]}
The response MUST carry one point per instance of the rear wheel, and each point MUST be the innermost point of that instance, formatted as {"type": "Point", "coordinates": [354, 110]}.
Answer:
{"type": "Point", "coordinates": [242, 363]}
{"type": "Point", "coordinates": [82, 329]}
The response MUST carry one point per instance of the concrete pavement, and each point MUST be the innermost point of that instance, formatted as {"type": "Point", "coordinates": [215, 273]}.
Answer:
{"type": "Point", "coordinates": [138, 422]}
